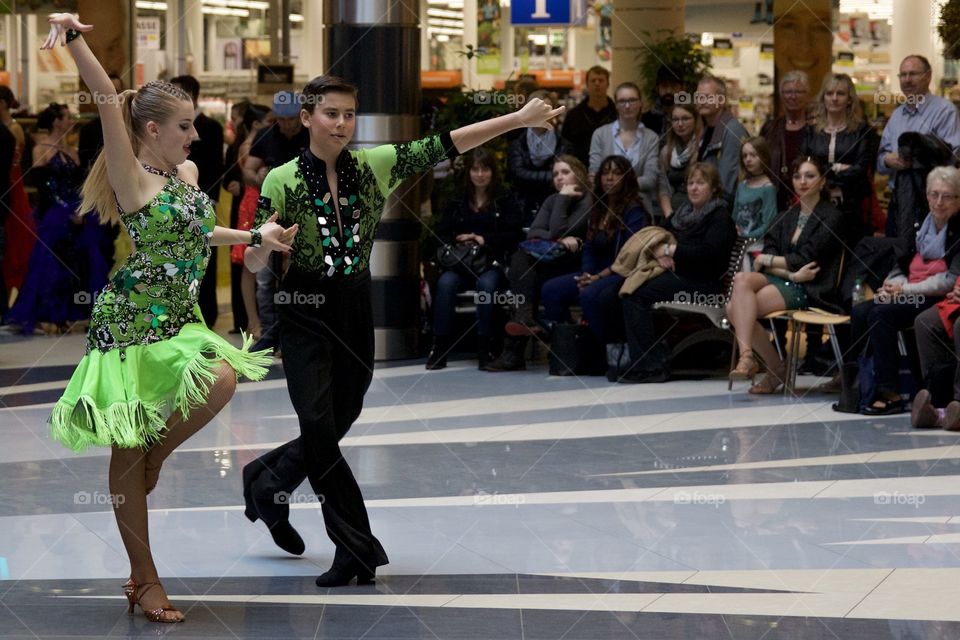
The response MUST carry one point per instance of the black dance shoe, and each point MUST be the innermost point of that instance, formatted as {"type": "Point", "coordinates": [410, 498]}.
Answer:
{"type": "Point", "coordinates": [340, 576]}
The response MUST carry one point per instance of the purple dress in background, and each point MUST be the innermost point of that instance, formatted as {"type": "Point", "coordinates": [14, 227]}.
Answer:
{"type": "Point", "coordinates": [67, 267]}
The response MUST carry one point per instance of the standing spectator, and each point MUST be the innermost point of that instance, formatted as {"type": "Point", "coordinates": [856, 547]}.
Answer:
{"type": "Point", "coordinates": [255, 118]}
{"type": "Point", "coordinates": [91, 134]}
{"type": "Point", "coordinates": [657, 118]}
{"type": "Point", "coordinates": [755, 205]}
{"type": "Point", "coordinates": [562, 220]}
{"type": "Point", "coordinates": [596, 110]}
{"type": "Point", "coordinates": [785, 134]}
{"type": "Point", "coordinates": [274, 146]}
{"type": "Point", "coordinates": [19, 226]}
{"type": "Point", "coordinates": [530, 162]}
{"type": "Point", "coordinates": [66, 269]}
{"type": "Point", "coordinates": [679, 151]}
{"type": "Point", "coordinates": [694, 261]}
{"type": "Point", "coordinates": [485, 217]}
{"type": "Point", "coordinates": [626, 136]}
{"type": "Point", "coordinates": [846, 143]}
{"type": "Point", "coordinates": [922, 113]}
{"type": "Point", "coordinates": [722, 134]}
{"type": "Point", "coordinates": [8, 145]}
{"type": "Point", "coordinates": [91, 142]}
{"type": "Point", "coordinates": [234, 135]}
{"type": "Point", "coordinates": [617, 214]}
{"type": "Point", "coordinates": [207, 153]}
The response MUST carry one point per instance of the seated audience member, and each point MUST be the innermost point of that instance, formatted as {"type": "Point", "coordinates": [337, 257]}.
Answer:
{"type": "Point", "coordinates": [938, 341]}
{"type": "Point", "coordinates": [552, 248]}
{"type": "Point", "coordinates": [694, 262]}
{"type": "Point", "coordinates": [530, 162]}
{"type": "Point", "coordinates": [932, 273]}
{"type": "Point", "coordinates": [679, 151]}
{"type": "Point", "coordinates": [797, 269]}
{"type": "Point", "coordinates": [626, 136]}
{"type": "Point", "coordinates": [617, 214]}
{"type": "Point", "coordinates": [483, 216]}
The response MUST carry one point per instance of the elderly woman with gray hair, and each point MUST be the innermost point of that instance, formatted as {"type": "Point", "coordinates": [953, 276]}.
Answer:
{"type": "Point", "coordinates": [786, 134]}
{"type": "Point", "coordinates": [930, 276]}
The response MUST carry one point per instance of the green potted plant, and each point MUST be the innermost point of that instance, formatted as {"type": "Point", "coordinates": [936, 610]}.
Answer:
{"type": "Point", "coordinates": [949, 29]}
{"type": "Point", "coordinates": [680, 54]}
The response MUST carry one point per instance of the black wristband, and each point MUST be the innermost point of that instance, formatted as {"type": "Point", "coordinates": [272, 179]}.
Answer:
{"type": "Point", "coordinates": [72, 34]}
{"type": "Point", "coordinates": [256, 239]}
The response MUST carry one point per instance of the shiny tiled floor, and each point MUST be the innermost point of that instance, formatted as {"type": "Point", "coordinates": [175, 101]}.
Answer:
{"type": "Point", "coordinates": [512, 505]}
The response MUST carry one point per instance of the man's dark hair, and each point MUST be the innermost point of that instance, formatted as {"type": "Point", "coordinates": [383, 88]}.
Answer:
{"type": "Point", "coordinates": [598, 70]}
{"type": "Point", "coordinates": [313, 93]}
{"type": "Point", "coordinates": [189, 84]}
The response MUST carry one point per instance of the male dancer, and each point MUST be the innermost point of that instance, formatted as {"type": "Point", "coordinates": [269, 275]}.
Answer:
{"type": "Point", "coordinates": [337, 196]}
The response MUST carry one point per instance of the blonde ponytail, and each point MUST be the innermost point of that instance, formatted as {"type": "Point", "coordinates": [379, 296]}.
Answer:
{"type": "Point", "coordinates": [154, 101]}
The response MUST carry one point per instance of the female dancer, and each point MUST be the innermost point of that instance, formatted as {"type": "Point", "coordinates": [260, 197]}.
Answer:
{"type": "Point", "coordinates": [338, 195]}
{"type": "Point", "coordinates": [153, 373]}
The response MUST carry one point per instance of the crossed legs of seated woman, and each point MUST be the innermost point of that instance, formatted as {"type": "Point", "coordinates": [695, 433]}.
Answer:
{"type": "Point", "coordinates": [754, 297]}
{"type": "Point", "coordinates": [449, 285]}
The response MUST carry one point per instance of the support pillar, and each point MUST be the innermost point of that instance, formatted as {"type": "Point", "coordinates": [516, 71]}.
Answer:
{"type": "Point", "coordinates": [636, 24]}
{"type": "Point", "coordinates": [375, 44]}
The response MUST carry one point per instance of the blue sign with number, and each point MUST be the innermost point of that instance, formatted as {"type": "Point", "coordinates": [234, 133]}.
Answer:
{"type": "Point", "coordinates": [539, 12]}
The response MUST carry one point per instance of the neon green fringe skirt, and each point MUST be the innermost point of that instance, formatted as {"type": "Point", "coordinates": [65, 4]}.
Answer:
{"type": "Point", "coordinates": [111, 401]}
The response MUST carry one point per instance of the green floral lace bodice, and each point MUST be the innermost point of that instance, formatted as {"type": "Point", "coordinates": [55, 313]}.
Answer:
{"type": "Point", "coordinates": [154, 294]}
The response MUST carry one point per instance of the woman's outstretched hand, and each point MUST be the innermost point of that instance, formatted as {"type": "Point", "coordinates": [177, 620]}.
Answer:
{"type": "Point", "coordinates": [275, 237]}
{"type": "Point", "coordinates": [538, 113]}
{"type": "Point", "coordinates": [59, 23]}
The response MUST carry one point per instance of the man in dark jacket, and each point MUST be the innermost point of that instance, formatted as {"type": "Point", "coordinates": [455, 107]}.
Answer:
{"type": "Point", "coordinates": [596, 110]}
{"type": "Point", "coordinates": [207, 154]}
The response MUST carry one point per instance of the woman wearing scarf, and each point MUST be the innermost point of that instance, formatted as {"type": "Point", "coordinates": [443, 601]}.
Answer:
{"type": "Point", "coordinates": [678, 152]}
{"type": "Point", "coordinates": [695, 264]}
{"type": "Point", "coordinates": [530, 162]}
{"type": "Point", "coordinates": [930, 276]}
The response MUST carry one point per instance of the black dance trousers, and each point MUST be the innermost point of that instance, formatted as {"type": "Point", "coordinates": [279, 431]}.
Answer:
{"type": "Point", "coordinates": [327, 343]}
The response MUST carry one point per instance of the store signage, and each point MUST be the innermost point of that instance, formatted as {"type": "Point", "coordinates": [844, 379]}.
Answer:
{"type": "Point", "coordinates": [148, 33]}
{"type": "Point", "coordinates": [540, 12]}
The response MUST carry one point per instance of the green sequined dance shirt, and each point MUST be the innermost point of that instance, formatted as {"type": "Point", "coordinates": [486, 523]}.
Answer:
{"type": "Point", "coordinates": [299, 192]}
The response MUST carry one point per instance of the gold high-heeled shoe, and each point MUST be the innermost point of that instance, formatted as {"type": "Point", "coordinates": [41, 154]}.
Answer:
{"type": "Point", "coordinates": [153, 615]}
{"type": "Point", "coordinates": [747, 367]}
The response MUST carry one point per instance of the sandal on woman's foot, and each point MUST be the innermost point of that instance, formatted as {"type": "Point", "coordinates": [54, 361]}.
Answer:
{"type": "Point", "coordinates": [885, 407]}
{"type": "Point", "coordinates": [166, 614]}
{"type": "Point", "coordinates": [771, 381]}
{"type": "Point", "coordinates": [747, 367]}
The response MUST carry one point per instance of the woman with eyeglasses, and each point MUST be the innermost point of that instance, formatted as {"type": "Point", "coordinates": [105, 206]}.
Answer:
{"type": "Point", "coordinates": [910, 289]}
{"type": "Point", "coordinates": [626, 136]}
{"type": "Point", "coordinates": [679, 151]}
{"type": "Point", "coordinates": [845, 140]}
{"type": "Point", "coordinates": [786, 133]}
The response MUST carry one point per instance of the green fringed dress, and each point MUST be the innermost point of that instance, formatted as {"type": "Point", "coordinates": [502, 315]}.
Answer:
{"type": "Point", "coordinates": [149, 352]}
